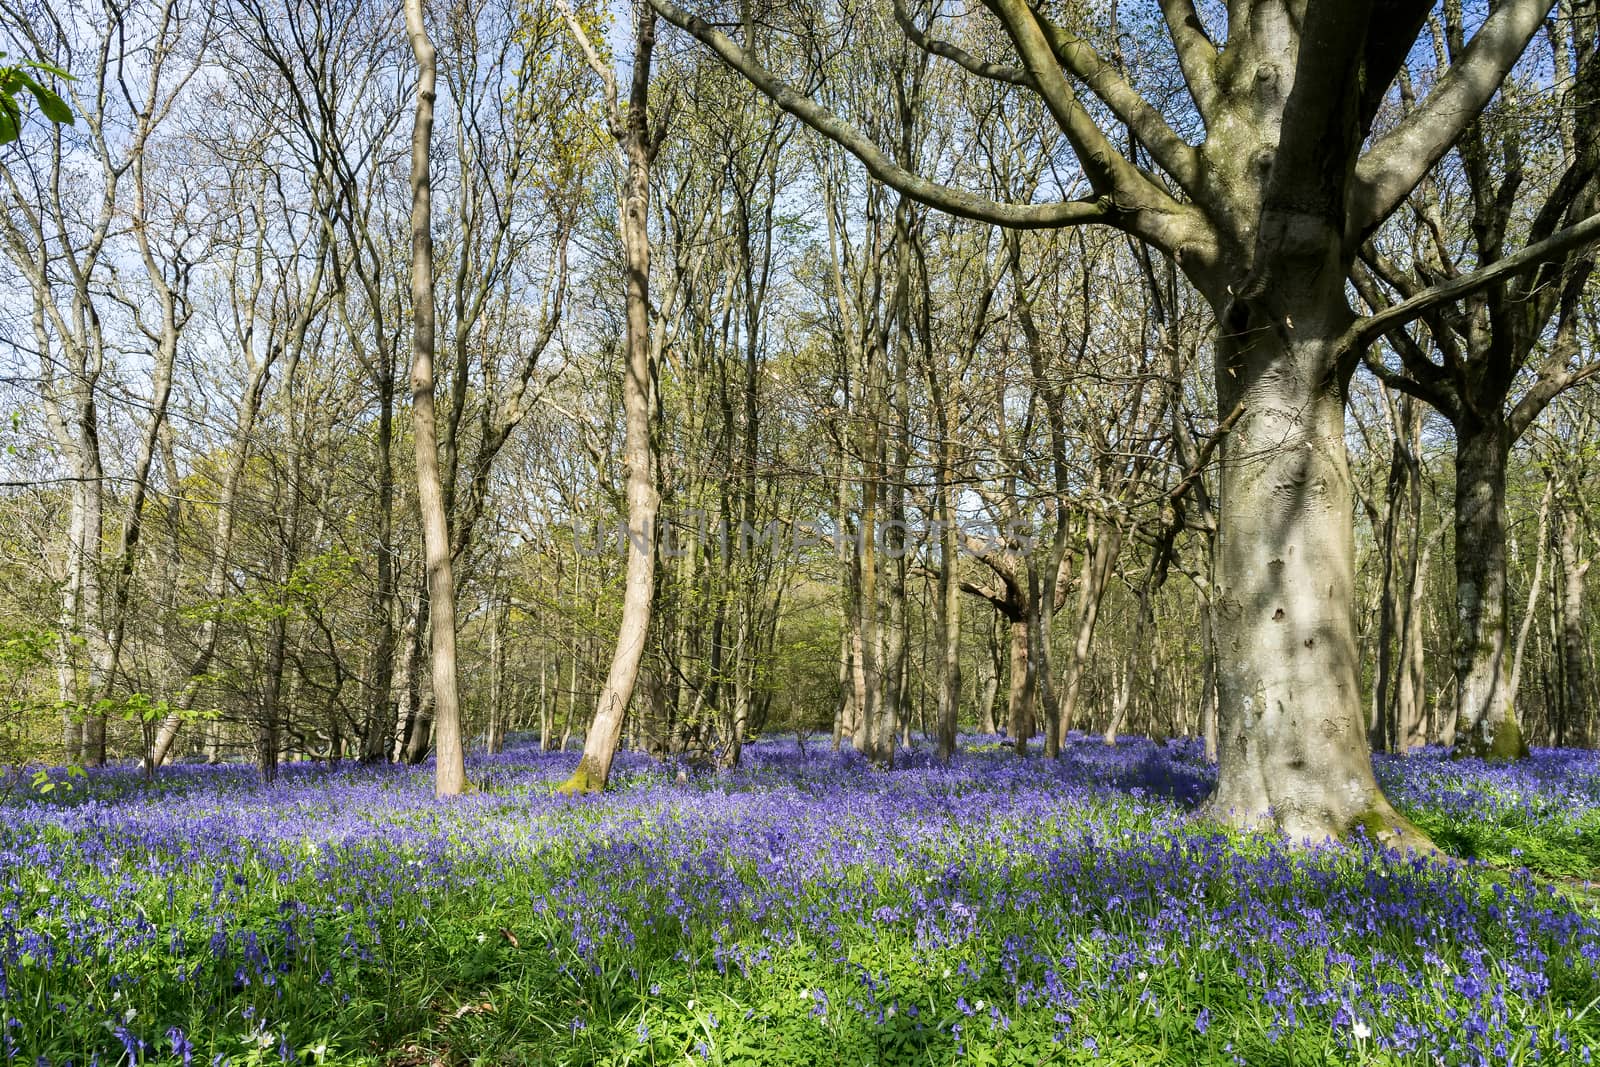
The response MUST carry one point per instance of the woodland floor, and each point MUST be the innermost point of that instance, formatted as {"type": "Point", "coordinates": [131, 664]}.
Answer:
{"type": "Point", "coordinates": [803, 909]}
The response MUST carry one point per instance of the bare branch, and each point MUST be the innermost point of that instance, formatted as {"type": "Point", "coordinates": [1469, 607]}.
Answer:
{"type": "Point", "coordinates": [1203, 460]}
{"type": "Point", "coordinates": [959, 56]}
{"type": "Point", "coordinates": [878, 164]}
{"type": "Point", "coordinates": [1197, 55]}
{"type": "Point", "coordinates": [1393, 166]}
{"type": "Point", "coordinates": [1367, 330]}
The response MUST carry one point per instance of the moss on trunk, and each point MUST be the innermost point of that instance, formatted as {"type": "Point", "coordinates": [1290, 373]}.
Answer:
{"type": "Point", "coordinates": [1501, 741]}
{"type": "Point", "coordinates": [1389, 828]}
{"type": "Point", "coordinates": [583, 780]}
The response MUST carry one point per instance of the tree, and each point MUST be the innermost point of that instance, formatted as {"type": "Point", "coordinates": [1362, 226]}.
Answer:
{"type": "Point", "coordinates": [450, 775]}
{"type": "Point", "coordinates": [1487, 341]}
{"type": "Point", "coordinates": [637, 145]}
{"type": "Point", "coordinates": [1265, 217]}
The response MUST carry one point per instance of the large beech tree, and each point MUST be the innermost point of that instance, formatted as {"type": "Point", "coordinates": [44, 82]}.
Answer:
{"type": "Point", "coordinates": [1264, 216]}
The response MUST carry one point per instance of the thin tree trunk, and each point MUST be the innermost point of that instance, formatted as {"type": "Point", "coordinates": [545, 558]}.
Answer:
{"type": "Point", "coordinates": [1411, 725]}
{"type": "Point", "coordinates": [1541, 549]}
{"type": "Point", "coordinates": [1575, 709]}
{"type": "Point", "coordinates": [450, 774]}
{"type": "Point", "coordinates": [988, 690]}
{"type": "Point", "coordinates": [949, 609]}
{"type": "Point", "coordinates": [1105, 542]}
{"type": "Point", "coordinates": [1019, 709]}
{"type": "Point", "coordinates": [633, 136]}
{"type": "Point", "coordinates": [845, 700]}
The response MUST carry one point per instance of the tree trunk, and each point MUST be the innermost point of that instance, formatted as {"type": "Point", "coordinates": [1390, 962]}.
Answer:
{"type": "Point", "coordinates": [988, 690]}
{"type": "Point", "coordinates": [1292, 747]}
{"type": "Point", "coordinates": [378, 736]}
{"type": "Point", "coordinates": [1041, 620]}
{"type": "Point", "coordinates": [633, 136]}
{"type": "Point", "coordinates": [1535, 588]}
{"type": "Point", "coordinates": [408, 684]}
{"type": "Point", "coordinates": [1099, 559]}
{"type": "Point", "coordinates": [1208, 679]}
{"type": "Point", "coordinates": [1019, 710]}
{"type": "Point", "coordinates": [1574, 706]}
{"type": "Point", "coordinates": [846, 698]}
{"type": "Point", "coordinates": [1410, 716]}
{"type": "Point", "coordinates": [949, 617]}
{"type": "Point", "coordinates": [1486, 722]}
{"type": "Point", "coordinates": [450, 773]}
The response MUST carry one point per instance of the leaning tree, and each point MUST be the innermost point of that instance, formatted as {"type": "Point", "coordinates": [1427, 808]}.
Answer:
{"type": "Point", "coordinates": [1292, 172]}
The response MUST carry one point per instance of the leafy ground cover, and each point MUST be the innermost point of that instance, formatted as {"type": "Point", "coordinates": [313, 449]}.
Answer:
{"type": "Point", "coordinates": [804, 909]}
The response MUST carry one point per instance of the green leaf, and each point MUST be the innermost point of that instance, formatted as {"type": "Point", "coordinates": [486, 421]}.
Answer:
{"type": "Point", "coordinates": [48, 68]}
{"type": "Point", "coordinates": [52, 106]}
{"type": "Point", "coordinates": [10, 115]}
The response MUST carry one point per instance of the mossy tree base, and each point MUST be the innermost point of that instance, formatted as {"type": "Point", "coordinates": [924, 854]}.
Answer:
{"type": "Point", "coordinates": [1390, 829]}
{"type": "Point", "coordinates": [1379, 823]}
{"type": "Point", "coordinates": [584, 780]}
{"type": "Point", "coordinates": [1502, 741]}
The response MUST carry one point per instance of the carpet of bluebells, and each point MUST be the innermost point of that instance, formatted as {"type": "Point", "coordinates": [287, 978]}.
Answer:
{"type": "Point", "coordinates": [803, 909]}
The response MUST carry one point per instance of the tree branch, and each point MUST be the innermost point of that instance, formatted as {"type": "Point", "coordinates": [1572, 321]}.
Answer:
{"type": "Point", "coordinates": [1367, 330]}
{"type": "Point", "coordinates": [879, 165]}
{"type": "Point", "coordinates": [1197, 55]}
{"type": "Point", "coordinates": [1394, 165]}
{"type": "Point", "coordinates": [959, 56]}
{"type": "Point", "coordinates": [1172, 153]}
{"type": "Point", "coordinates": [1203, 459]}
{"type": "Point", "coordinates": [1546, 389]}
{"type": "Point", "coordinates": [1108, 171]}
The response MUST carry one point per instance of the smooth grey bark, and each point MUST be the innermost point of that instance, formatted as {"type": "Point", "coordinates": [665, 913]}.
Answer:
{"type": "Point", "coordinates": [1574, 709]}
{"type": "Point", "coordinates": [637, 145]}
{"type": "Point", "coordinates": [1291, 740]}
{"type": "Point", "coordinates": [1486, 722]}
{"type": "Point", "coordinates": [450, 775]}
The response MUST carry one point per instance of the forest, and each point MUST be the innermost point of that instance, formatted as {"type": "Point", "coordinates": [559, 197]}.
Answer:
{"type": "Point", "coordinates": [865, 531]}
